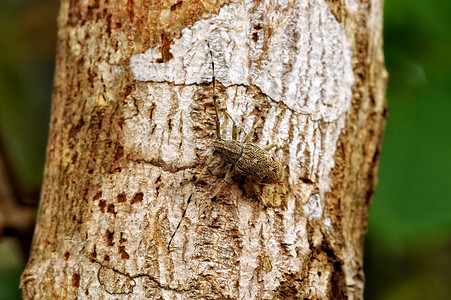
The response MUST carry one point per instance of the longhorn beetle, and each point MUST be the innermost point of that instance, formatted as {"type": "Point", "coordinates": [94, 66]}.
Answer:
{"type": "Point", "coordinates": [244, 158]}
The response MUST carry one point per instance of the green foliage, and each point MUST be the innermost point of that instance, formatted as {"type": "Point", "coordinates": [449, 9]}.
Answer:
{"type": "Point", "coordinates": [27, 55]}
{"type": "Point", "coordinates": [11, 265]}
{"type": "Point", "coordinates": [410, 218]}
{"type": "Point", "coordinates": [412, 198]}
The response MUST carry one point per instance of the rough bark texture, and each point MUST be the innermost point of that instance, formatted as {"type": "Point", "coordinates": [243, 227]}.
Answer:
{"type": "Point", "coordinates": [132, 117]}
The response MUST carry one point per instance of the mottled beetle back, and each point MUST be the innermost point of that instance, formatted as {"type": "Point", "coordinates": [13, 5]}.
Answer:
{"type": "Point", "coordinates": [259, 164]}
{"type": "Point", "coordinates": [250, 160]}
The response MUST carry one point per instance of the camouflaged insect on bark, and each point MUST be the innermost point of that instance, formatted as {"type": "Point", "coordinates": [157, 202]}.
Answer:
{"type": "Point", "coordinates": [250, 160]}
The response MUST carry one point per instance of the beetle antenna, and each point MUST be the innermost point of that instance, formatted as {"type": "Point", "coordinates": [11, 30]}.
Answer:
{"type": "Point", "coordinates": [218, 130]}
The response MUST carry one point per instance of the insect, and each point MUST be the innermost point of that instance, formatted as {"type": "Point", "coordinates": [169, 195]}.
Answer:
{"type": "Point", "coordinates": [241, 157]}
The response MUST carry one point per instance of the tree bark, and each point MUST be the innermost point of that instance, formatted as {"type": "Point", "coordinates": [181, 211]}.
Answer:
{"type": "Point", "coordinates": [133, 117]}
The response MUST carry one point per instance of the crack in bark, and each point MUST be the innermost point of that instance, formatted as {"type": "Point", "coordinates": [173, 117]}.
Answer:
{"type": "Point", "coordinates": [281, 104]}
{"type": "Point", "coordinates": [247, 86]}
{"type": "Point", "coordinates": [159, 162]}
{"type": "Point", "coordinates": [132, 278]}
{"type": "Point", "coordinates": [103, 282]}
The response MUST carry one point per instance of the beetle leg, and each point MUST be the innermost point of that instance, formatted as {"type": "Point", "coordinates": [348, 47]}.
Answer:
{"type": "Point", "coordinates": [278, 147]}
{"type": "Point", "coordinates": [219, 169]}
{"type": "Point", "coordinates": [258, 191]}
{"type": "Point", "coordinates": [226, 112]}
{"type": "Point", "coordinates": [249, 135]}
{"type": "Point", "coordinates": [201, 174]}
{"type": "Point", "coordinates": [227, 180]}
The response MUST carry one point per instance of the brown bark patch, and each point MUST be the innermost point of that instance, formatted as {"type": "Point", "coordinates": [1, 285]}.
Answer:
{"type": "Point", "coordinates": [123, 253]}
{"type": "Point", "coordinates": [288, 289]}
{"type": "Point", "coordinates": [97, 195]}
{"type": "Point", "coordinates": [110, 209]}
{"type": "Point", "coordinates": [76, 280]}
{"type": "Point", "coordinates": [121, 198]}
{"type": "Point", "coordinates": [102, 205]}
{"type": "Point", "coordinates": [109, 235]}
{"type": "Point", "coordinates": [93, 254]}
{"type": "Point", "coordinates": [138, 197]}
{"type": "Point", "coordinates": [84, 195]}
{"type": "Point", "coordinates": [166, 43]}
{"type": "Point", "coordinates": [122, 240]}
{"type": "Point", "coordinates": [118, 153]}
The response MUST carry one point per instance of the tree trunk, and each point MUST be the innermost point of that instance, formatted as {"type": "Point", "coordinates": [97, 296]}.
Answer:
{"type": "Point", "coordinates": [133, 117]}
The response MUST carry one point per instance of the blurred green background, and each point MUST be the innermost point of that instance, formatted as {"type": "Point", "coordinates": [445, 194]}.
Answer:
{"type": "Point", "coordinates": [408, 247]}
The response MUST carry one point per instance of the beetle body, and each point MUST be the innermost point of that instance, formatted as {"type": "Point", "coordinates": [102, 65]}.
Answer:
{"type": "Point", "coordinates": [250, 160]}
